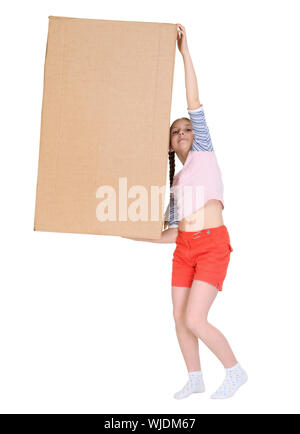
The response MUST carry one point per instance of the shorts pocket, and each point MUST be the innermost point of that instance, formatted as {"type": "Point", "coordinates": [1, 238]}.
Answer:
{"type": "Point", "coordinates": [223, 246]}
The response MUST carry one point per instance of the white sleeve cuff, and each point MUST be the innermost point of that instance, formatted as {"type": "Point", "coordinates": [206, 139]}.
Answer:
{"type": "Point", "coordinates": [196, 110]}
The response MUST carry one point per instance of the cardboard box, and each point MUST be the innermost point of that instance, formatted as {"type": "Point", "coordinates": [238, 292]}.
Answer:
{"type": "Point", "coordinates": [105, 122]}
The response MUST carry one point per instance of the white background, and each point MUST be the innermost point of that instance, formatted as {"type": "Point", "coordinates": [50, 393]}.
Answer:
{"type": "Point", "coordinates": [86, 321]}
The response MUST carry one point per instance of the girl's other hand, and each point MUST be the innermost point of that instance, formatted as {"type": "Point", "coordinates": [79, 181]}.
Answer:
{"type": "Point", "coordinates": [181, 39]}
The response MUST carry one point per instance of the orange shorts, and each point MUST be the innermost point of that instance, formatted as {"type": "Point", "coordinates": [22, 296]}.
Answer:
{"type": "Point", "coordinates": [202, 255]}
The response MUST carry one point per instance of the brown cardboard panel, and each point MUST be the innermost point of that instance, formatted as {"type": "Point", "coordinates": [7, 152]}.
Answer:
{"type": "Point", "coordinates": [105, 115]}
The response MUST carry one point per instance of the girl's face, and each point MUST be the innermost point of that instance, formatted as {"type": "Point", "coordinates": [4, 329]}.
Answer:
{"type": "Point", "coordinates": [181, 137]}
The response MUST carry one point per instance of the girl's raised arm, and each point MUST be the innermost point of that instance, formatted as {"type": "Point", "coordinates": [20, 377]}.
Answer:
{"type": "Point", "coordinates": [191, 85]}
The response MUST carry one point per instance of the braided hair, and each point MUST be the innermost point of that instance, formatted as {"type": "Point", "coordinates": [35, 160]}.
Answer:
{"type": "Point", "coordinates": [172, 163]}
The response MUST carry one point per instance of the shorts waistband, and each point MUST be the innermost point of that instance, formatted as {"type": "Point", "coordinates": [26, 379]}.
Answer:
{"type": "Point", "coordinates": [219, 230]}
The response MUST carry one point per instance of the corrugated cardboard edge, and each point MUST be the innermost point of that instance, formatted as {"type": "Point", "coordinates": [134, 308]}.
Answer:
{"type": "Point", "coordinates": [54, 17]}
{"type": "Point", "coordinates": [41, 120]}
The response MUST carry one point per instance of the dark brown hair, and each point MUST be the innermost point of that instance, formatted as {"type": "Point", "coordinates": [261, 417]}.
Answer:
{"type": "Point", "coordinates": [172, 163]}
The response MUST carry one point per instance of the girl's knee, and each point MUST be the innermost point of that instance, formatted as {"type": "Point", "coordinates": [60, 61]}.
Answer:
{"type": "Point", "coordinates": [196, 324]}
{"type": "Point", "coordinates": [179, 316]}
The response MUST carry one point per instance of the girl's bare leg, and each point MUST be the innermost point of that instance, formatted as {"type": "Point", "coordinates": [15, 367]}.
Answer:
{"type": "Point", "coordinates": [188, 342]}
{"type": "Point", "coordinates": [201, 297]}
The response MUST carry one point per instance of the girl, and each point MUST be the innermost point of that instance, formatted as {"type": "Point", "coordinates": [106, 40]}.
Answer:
{"type": "Point", "coordinates": [203, 248]}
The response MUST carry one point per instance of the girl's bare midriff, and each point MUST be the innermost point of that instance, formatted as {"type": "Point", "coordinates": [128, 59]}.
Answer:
{"type": "Point", "coordinates": [209, 216]}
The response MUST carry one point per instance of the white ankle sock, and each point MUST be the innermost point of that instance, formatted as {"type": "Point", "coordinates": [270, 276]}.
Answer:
{"type": "Point", "coordinates": [234, 378]}
{"type": "Point", "coordinates": [195, 384]}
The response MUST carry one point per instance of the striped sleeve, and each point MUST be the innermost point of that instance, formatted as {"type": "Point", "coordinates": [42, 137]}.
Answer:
{"type": "Point", "coordinates": [202, 139]}
{"type": "Point", "coordinates": [171, 213]}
